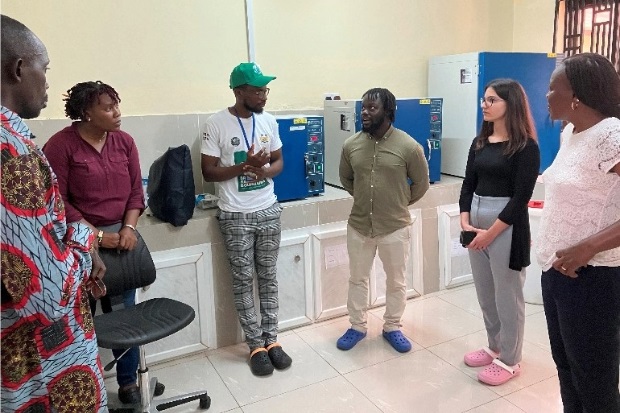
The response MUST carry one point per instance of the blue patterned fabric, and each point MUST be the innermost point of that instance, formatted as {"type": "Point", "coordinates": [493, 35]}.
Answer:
{"type": "Point", "coordinates": [50, 359]}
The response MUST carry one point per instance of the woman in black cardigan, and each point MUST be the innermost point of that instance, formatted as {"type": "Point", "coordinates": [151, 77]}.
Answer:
{"type": "Point", "coordinates": [501, 173]}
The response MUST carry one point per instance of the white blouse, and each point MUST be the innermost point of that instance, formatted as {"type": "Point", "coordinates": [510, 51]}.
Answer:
{"type": "Point", "coordinates": [582, 194]}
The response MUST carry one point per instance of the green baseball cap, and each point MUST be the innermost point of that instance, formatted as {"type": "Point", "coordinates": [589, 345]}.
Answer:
{"type": "Point", "coordinates": [248, 74]}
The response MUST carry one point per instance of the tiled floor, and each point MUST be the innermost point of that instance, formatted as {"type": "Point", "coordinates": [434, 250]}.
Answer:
{"type": "Point", "coordinates": [372, 377]}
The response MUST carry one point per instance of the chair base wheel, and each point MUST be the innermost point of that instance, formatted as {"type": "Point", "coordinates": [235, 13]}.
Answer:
{"type": "Point", "coordinates": [159, 389]}
{"type": "Point", "coordinates": [205, 402]}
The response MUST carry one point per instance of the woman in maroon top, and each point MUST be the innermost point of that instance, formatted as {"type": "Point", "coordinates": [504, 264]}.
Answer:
{"type": "Point", "coordinates": [100, 182]}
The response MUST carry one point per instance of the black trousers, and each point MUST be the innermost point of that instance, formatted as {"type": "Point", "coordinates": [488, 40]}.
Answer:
{"type": "Point", "coordinates": [583, 319]}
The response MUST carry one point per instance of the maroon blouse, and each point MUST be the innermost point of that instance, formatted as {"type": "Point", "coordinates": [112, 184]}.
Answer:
{"type": "Point", "coordinates": [99, 187]}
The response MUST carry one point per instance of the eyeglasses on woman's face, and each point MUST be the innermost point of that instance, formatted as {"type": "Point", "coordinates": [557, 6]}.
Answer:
{"type": "Point", "coordinates": [489, 101]}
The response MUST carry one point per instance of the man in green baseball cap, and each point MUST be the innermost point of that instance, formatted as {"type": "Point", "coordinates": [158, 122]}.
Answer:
{"type": "Point", "coordinates": [241, 153]}
{"type": "Point", "coordinates": [248, 74]}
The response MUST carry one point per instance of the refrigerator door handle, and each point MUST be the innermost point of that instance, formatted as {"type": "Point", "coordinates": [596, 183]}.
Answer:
{"type": "Point", "coordinates": [430, 149]}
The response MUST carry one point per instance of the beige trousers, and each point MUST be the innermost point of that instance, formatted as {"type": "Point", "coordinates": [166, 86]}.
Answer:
{"type": "Point", "coordinates": [393, 251]}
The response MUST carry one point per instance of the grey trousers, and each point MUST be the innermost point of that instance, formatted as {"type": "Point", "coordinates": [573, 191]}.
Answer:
{"type": "Point", "coordinates": [499, 289]}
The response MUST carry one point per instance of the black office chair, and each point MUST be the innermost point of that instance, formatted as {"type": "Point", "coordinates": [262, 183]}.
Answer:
{"type": "Point", "coordinates": [144, 323]}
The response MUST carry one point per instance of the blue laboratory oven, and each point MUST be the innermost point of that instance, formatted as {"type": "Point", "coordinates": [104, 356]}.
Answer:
{"type": "Point", "coordinates": [302, 150]}
{"type": "Point", "coordinates": [421, 118]}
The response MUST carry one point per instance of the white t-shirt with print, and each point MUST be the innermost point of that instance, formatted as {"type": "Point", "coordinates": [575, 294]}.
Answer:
{"type": "Point", "coordinates": [582, 193]}
{"type": "Point", "coordinates": [223, 138]}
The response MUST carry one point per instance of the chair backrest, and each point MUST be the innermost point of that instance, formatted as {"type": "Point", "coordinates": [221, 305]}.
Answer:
{"type": "Point", "coordinates": [127, 270]}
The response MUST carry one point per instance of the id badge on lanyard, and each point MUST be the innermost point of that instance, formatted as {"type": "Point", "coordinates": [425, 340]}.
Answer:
{"type": "Point", "coordinates": [244, 182]}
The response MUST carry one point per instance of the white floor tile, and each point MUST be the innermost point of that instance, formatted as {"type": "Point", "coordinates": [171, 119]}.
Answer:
{"type": "Point", "coordinates": [536, 330]}
{"type": "Point", "coordinates": [533, 309]}
{"type": "Point", "coordinates": [195, 374]}
{"type": "Point", "coordinates": [335, 395]}
{"type": "Point", "coordinates": [536, 365]}
{"type": "Point", "coordinates": [371, 350]}
{"type": "Point", "coordinates": [453, 351]}
{"type": "Point", "coordinates": [232, 365]}
{"type": "Point", "coordinates": [372, 377]}
{"type": "Point", "coordinates": [496, 406]}
{"type": "Point", "coordinates": [433, 321]}
{"type": "Point", "coordinates": [464, 298]}
{"type": "Point", "coordinates": [320, 323]}
{"type": "Point", "coordinates": [540, 397]}
{"type": "Point", "coordinates": [449, 290]}
{"type": "Point", "coordinates": [420, 382]}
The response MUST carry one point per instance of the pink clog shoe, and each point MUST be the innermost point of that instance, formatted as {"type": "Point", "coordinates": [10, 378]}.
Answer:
{"type": "Point", "coordinates": [479, 358]}
{"type": "Point", "coordinates": [498, 373]}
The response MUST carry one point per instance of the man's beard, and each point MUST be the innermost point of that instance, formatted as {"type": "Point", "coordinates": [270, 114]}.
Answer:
{"type": "Point", "coordinates": [372, 128]}
{"type": "Point", "coordinates": [258, 110]}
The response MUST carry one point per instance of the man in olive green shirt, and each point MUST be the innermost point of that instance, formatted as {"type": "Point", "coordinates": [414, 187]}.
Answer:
{"type": "Point", "coordinates": [385, 171]}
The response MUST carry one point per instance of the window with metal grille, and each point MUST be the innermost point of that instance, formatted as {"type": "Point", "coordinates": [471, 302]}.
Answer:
{"type": "Point", "coordinates": [588, 26]}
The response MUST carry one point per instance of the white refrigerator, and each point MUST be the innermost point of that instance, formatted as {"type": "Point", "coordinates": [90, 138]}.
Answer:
{"type": "Point", "coordinates": [460, 79]}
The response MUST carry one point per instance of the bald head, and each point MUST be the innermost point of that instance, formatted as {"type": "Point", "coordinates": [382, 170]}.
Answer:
{"type": "Point", "coordinates": [17, 39]}
{"type": "Point", "coordinates": [24, 63]}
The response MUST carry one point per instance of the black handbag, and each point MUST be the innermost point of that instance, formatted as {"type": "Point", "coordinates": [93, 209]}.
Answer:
{"type": "Point", "coordinates": [126, 270]}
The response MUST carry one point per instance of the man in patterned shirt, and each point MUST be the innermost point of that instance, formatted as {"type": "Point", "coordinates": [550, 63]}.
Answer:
{"type": "Point", "coordinates": [50, 360]}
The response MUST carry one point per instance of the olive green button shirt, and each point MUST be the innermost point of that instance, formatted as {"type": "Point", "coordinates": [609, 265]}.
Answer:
{"type": "Point", "coordinates": [375, 172]}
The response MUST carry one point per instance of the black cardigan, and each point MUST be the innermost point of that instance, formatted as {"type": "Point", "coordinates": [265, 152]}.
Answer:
{"type": "Point", "coordinates": [491, 173]}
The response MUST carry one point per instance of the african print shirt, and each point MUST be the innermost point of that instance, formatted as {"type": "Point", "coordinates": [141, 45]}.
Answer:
{"type": "Point", "coordinates": [50, 359]}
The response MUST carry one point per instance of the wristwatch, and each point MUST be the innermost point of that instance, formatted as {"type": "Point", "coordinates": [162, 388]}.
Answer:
{"type": "Point", "coordinates": [99, 237]}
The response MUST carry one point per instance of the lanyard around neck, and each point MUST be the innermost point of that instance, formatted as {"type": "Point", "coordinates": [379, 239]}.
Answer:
{"type": "Point", "coordinates": [243, 129]}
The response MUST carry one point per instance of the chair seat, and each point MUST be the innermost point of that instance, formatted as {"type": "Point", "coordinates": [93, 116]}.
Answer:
{"type": "Point", "coordinates": [142, 324]}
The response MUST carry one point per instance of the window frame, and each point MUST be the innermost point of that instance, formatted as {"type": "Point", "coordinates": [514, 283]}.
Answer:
{"type": "Point", "coordinates": [588, 26]}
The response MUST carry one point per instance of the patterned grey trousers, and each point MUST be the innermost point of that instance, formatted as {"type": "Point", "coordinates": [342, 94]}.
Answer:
{"type": "Point", "coordinates": [252, 242]}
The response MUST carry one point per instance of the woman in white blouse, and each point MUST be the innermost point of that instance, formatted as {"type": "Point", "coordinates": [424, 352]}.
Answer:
{"type": "Point", "coordinates": [579, 237]}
